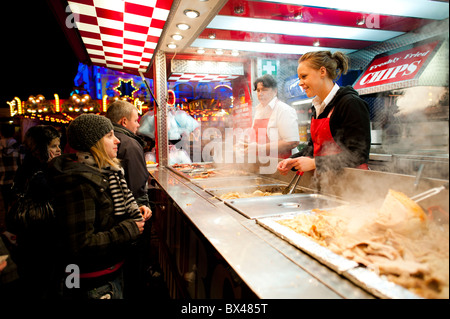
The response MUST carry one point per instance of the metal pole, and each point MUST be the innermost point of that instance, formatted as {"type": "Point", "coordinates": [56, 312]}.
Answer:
{"type": "Point", "coordinates": [160, 81]}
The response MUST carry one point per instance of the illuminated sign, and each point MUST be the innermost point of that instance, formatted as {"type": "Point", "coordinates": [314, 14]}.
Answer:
{"type": "Point", "coordinates": [391, 68]}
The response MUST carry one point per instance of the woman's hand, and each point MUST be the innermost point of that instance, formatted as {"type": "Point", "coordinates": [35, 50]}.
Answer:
{"type": "Point", "coordinates": [302, 164]}
{"type": "Point", "coordinates": [305, 164]}
{"type": "Point", "coordinates": [140, 224]}
{"type": "Point", "coordinates": [286, 165]}
{"type": "Point", "coordinates": [146, 212]}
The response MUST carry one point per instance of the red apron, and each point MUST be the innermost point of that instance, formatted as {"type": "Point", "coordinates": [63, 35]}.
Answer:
{"type": "Point", "coordinates": [260, 126]}
{"type": "Point", "coordinates": [324, 143]}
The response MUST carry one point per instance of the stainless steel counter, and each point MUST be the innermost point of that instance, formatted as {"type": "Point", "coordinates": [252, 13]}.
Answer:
{"type": "Point", "coordinates": [269, 266]}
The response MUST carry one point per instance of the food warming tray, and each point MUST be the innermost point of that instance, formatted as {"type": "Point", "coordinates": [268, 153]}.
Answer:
{"type": "Point", "coordinates": [361, 276]}
{"type": "Point", "coordinates": [272, 188]}
{"type": "Point", "coordinates": [233, 181]}
{"type": "Point", "coordinates": [256, 207]}
{"type": "Point", "coordinates": [200, 171]}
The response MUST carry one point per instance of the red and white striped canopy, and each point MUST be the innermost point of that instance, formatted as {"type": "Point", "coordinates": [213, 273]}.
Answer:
{"type": "Point", "coordinates": [123, 34]}
{"type": "Point", "coordinates": [120, 34]}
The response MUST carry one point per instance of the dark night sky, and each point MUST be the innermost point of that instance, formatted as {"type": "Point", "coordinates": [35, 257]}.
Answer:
{"type": "Point", "coordinates": [37, 58]}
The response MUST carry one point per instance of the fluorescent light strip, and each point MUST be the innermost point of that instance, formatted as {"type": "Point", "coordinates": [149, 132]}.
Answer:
{"type": "Point", "coordinates": [261, 47]}
{"type": "Point", "coordinates": [300, 29]}
{"type": "Point", "coordinates": [408, 8]}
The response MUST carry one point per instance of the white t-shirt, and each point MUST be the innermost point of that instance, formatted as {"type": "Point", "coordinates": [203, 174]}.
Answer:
{"type": "Point", "coordinates": [281, 116]}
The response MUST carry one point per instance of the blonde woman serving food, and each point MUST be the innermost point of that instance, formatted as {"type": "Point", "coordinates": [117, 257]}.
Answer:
{"type": "Point", "coordinates": [340, 123]}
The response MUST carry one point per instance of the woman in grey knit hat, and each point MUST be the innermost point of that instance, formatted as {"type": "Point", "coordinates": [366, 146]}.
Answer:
{"type": "Point", "coordinates": [98, 216]}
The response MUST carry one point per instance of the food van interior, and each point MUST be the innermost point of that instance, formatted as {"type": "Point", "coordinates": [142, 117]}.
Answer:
{"type": "Point", "coordinates": [409, 122]}
{"type": "Point", "coordinates": [409, 118]}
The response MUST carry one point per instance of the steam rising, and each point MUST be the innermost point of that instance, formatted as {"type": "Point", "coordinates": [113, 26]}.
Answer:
{"type": "Point", "coordinates": [420, 98]}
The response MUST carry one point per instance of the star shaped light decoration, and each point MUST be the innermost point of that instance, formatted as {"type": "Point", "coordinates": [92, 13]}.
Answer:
{"type": "Point", "coordinates": [125, 88]}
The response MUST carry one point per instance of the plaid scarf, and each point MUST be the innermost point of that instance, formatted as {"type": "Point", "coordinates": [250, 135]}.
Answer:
{"type": "Point", "coordinates": [122, 197]}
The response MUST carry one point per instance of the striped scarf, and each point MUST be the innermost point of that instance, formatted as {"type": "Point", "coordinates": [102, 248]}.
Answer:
{"type": "Point", "coordinates": [123, 199]}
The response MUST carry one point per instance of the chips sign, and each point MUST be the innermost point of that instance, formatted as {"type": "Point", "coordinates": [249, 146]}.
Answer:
{"type": "Point", "coordinates": [391, 68]}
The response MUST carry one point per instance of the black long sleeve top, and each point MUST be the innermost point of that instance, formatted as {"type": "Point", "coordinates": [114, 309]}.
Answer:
{"type": "Point", "coordinates": [350, 128]}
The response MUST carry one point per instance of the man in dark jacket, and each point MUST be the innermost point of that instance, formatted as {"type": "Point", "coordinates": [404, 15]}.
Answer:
{"type": "Point", "coordinates": [125, 119]}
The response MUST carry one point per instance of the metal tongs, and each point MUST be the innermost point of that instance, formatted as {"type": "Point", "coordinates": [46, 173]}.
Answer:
{"type": "Point", "coordinates": [429, 193]}
{"type": "Point", "coordinates": [293, 184]}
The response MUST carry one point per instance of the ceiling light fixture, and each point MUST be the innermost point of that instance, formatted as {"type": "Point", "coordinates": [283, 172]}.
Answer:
{"type": "Point", "coordinates": [183, 26]}
{"type": "Point", "coordinates": [420, 9]}
{"type": "Point", "coordinates": [200, 50]}
{"type": "Point", "coordinates": [260, 47]}
{"type": "Point", "coordinates": [235, 53]}
{"type": "Point", "coordinates": [177, 37]}
{"type": "Point", "coordinates": [172, 46]}
{"type": "Point", "coordinates": [316, 43]}
{"type": "Point", "coordinates": [299, 28]}
{"type": "Point", "coordinates": [212, 36]}
{"type": "Point", "coordinates": [191, 13]}
{"type": "Point", "coordinates": [219, 51]}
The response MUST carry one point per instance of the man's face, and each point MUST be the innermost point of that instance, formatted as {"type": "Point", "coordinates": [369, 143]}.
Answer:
{"type": "Point", "coordinates": [265, 94]}
{"type": "Point", "coordinates": [133, 122]}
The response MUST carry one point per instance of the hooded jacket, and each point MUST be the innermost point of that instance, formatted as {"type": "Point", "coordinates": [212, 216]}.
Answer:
{"type": "Point", "coordinates": [92, 236]}
{"type": "Point", "coordinates": [350, 128]}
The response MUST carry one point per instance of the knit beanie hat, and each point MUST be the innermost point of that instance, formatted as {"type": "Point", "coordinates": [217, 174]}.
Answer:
{"type": "Point", "coordinates": [86, 130]}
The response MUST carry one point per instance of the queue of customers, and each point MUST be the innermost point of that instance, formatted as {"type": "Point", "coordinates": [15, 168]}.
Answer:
{"type": "Point", "coordinates": [78, 251]}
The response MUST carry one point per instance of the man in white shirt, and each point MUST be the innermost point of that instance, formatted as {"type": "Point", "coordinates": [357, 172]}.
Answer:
{"type": "Point", "coordinates": [271, 115]}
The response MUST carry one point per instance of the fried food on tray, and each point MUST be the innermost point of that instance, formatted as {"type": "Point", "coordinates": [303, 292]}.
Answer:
{"type": "Point", "coordinates": [401, 214]}
{"type": "Point", "coordinates": [396, 240]}
{"type": "Point", "coordinates": [257, 193]}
